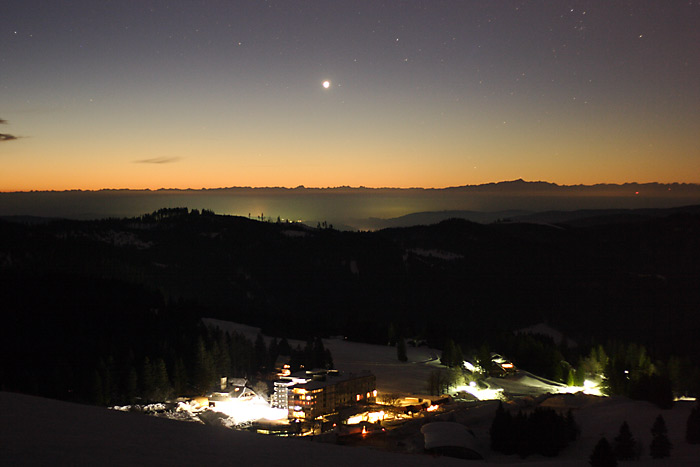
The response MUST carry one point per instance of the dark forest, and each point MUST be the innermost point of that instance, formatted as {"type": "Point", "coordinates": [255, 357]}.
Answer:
{"type": "Point", "coordinates": [85, 302]}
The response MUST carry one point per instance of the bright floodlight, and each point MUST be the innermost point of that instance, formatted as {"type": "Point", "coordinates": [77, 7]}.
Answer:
{"type": "Point", "coordinates": [249, 410]}
{"type": "Point", "coordinates": [482, 394]}
{"type": "Point", "coordinates": [326, 84]}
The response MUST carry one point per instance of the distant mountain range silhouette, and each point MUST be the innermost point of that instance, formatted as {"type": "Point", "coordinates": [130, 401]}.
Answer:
{"type": "Point", "coordinates": [359, 207]}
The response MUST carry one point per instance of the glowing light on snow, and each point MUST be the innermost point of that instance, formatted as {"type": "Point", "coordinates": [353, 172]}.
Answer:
{"type": "Point", "coordinates": [354, 420]}
{"type": "Point", "coordinates": [481, 394]}
{"type": "Point", "coordinates": [372, 417]}
{"type": "Point", "coordinates": [589, 387]}
{"type": "Point", "coordinates": [242, 411]}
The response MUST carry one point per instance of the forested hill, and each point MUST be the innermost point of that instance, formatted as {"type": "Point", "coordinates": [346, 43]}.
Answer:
{"type": "Point", "coordinates": [634, 280]}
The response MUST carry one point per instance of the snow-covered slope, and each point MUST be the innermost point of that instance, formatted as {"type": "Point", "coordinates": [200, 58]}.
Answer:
{"type": "Point", "coordinates": [36, 431]}
{"type": "Point", "coordinates": [409, 377]}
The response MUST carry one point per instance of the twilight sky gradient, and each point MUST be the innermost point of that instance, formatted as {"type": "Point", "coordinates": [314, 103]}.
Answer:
{"type": "Point", "coordinates": [192, 94]}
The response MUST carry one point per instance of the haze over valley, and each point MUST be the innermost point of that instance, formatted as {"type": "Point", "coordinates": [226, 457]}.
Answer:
{"type": "Point", "coordinates": [353, 208]}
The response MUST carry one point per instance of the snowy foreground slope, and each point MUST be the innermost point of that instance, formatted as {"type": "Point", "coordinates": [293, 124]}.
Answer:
{"type": "Point", "coordinates": [36, 431]}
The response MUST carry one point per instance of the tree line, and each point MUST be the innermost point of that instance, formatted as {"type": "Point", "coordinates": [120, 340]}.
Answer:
{"type": "Point", "coordinates": [546, 432]}
{"type": "Point", "coordinates": [106, 342]}
{"type": "Point", "coordinates": [626, 369]}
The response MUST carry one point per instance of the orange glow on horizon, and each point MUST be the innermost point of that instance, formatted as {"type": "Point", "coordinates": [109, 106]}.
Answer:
{"type": "Point", "coordinates": [28, 168]}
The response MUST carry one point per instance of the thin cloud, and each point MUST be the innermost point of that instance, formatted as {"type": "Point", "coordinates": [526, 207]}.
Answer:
{"type": "Point", "coordinates": [158, 160]}
{"type": "Point", "coordinates": [5, 136]}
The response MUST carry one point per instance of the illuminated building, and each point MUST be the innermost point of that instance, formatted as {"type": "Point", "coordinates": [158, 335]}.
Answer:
{"type": "Point", "coordinates": [500, 366]}
{"type": "Point", "coordinates": [312, 394]}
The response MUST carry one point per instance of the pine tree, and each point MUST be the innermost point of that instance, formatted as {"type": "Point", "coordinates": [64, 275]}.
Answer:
{"type": "Point", "coordinates": [284, 348]}
{"type": "Point", "coordinates": [391, 334]}
{"type": "Point", "coordinates": [692, 428]}
{"type": "Point", "coordinates": [602, 455]}
{"type": "Point", "coordinates": [296, 358]}
{"type": "Point", "coordinates": [329, 360]}
{"type": "Point", "coordinates": [401, 350]}
{"type": "Point", "coordinates": [260, 351]}
{"type": "Point", "coordinates": [483, 359]}
{"type": "Point", "coordinates": [579, 376]}
{"type": "Point", "coordinates": [106, 377]}
{"type": "Point", "coordinates": [502, 432]}
{"type": "Point", "coordinates": [132, 386]}
{"type": "Point", "coordinates": [319, 354]}
{"type": "Point", "coordinates": [204, 370]}
{"type": "Point", "coordinates": [660, 444]}
{"type": "Point", "coordinates": [96, 389]}
{"type": "Point", "coordinates": [308, 355]}
{"type": "Point", "coordinates": [220, 354]}
{"type": "Point", "coordinates": [273, 353]}
{"type": "Point", "coordinates": [434, 383]}
{"type": "Point", "coordinates": [179, 377]}
{"type": "Point", "coordinates": [458, 357]}
{"type": "Point", "coordinates": [163, 389]}
{"type": "Point", "coordinates": [625, 444]}
{"type": "Point", "coordinates": [147, 379]}
{"type": "Point", "coordinates": [448, 351]}
{"type": "Point", "coordinates": [572, 429]}
{"type": "Point", "coordinates": [522, 436]}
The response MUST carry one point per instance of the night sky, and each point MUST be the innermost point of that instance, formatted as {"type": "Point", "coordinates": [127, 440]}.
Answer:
{"type": "Point", "coordinates": [191, 94]}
